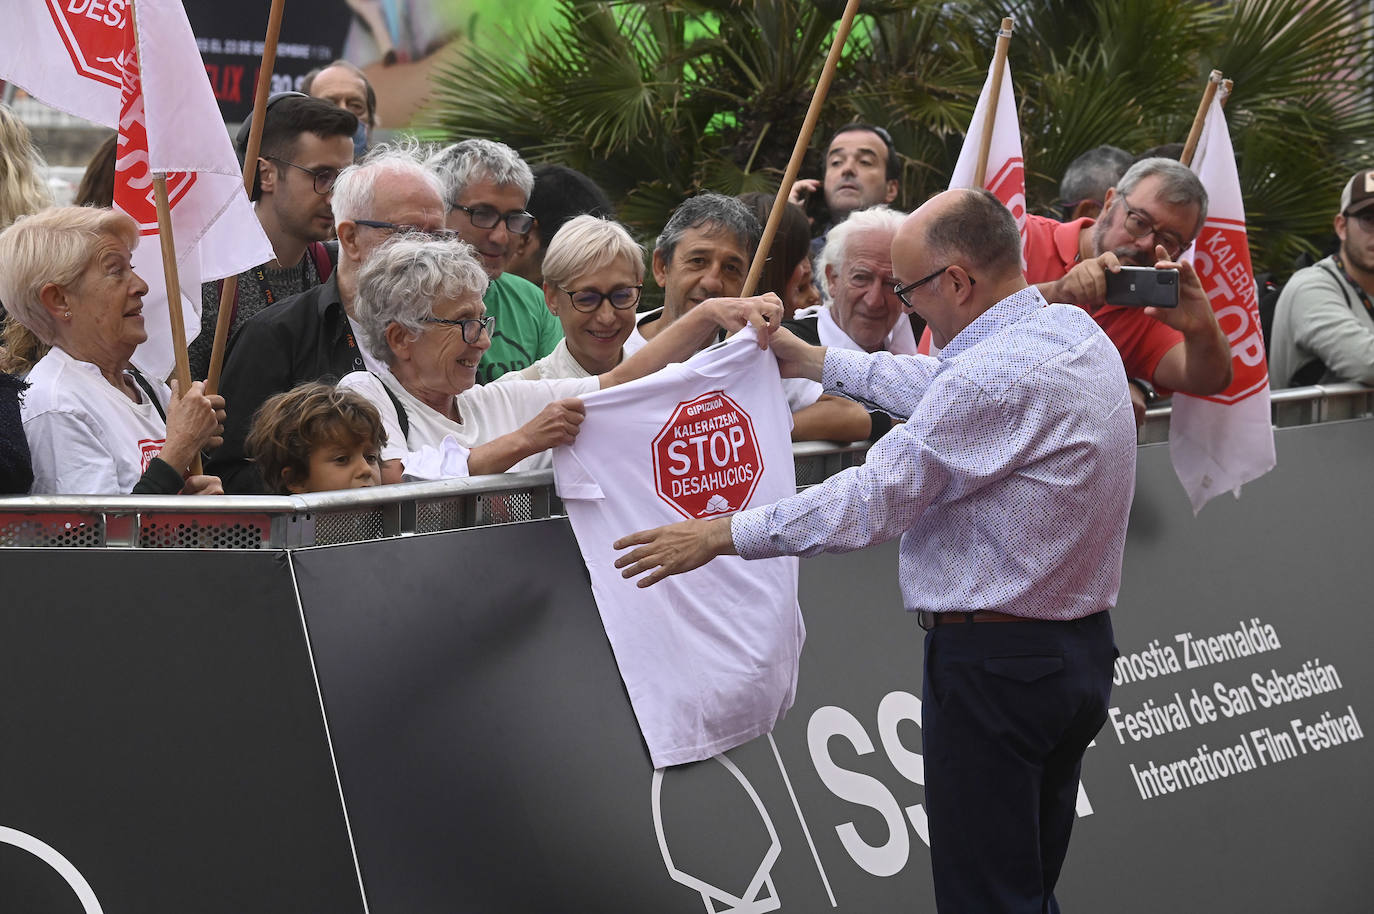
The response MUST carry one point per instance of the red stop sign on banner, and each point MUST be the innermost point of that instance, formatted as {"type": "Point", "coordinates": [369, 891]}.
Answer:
{"type": "Point", "coordinates": [133, 191]}
{"type": "Point", "coordinates": [1221, 256]}
{"type": "Point", "coordinates": [706, 457]}
{"type": "Point", "coordinates": [93, 33]}
{"type": "Point", "coordinates": [1009, 186]}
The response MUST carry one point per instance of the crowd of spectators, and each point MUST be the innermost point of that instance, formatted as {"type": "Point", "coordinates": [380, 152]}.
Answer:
{"type": "Point", "coordinates": [407, 280]}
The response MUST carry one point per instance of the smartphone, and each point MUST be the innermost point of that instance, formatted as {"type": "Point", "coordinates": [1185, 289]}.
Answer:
{"type": "Point", "coordinates": [1143, 287]}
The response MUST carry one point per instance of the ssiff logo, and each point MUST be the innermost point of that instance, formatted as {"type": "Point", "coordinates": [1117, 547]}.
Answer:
{"type": "Point", "coordinates": [706, 457]}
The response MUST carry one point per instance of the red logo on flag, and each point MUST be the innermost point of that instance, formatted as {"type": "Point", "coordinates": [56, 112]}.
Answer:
{"type": "Point", "coordinates": [1009, 186]}
{"type": "Point", "coordinates": [150, 448]}
{"type": "Point", "coordinates": [93, 33]}
{"type": "Point", "coordinates": [1221, 256]}
{"type": "Point", "coordinates": [706, 458]}
{"type": "Point", "coordinates": [133, 171]}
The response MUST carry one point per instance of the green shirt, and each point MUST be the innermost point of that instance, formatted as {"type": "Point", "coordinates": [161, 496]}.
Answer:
{"type": "Point", "coordinates": [525, 330]}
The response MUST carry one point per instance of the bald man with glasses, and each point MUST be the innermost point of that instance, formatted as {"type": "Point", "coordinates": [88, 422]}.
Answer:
{"type": "Point", "coordinates": [1150, 217]}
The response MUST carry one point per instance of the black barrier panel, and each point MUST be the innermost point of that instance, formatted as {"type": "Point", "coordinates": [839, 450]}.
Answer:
{"type": "Point", "coordinates": [162, 747]}
{"type": "Point", "coordinates": [491, 761]}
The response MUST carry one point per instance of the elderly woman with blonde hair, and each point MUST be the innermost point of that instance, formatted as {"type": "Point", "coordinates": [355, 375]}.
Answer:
{"type": "Point", "coordinates": [593, 274]}
{"type": "Point", "coordinates": [420, 310]}
{"type": "Point", "coordinates": [95, 425]}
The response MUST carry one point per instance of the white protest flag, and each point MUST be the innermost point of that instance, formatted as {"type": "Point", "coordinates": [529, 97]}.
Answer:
{"type": "Point", "coordinates": [169, 122]}
{"type": "Point", "coordinates": [1218, 443]}
{"type": "Point", "coordinates": [80, 56]}
{"type": "Point", "coordinates": [1006, 172]}
{"type": "Point", "coordinates": [67, 54]}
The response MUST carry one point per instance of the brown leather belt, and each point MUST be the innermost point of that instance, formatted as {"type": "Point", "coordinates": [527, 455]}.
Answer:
{"type": "Point", "coordinates": [928, 620]}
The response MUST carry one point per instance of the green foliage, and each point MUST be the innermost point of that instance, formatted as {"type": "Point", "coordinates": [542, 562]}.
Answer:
{"type": "Point", "coordinates": [656, 100]}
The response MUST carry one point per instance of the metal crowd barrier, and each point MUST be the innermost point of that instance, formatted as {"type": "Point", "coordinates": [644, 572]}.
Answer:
{"type": "Point", "coordinates": [327, 518]}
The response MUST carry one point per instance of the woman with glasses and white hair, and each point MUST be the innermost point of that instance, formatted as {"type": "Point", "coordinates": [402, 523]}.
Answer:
{"type": "Point", "coordinates": [593, 274]}
{"type": "Point", "coordinates": [95, 425]}
{"type": "Point", "coordinates": [420, 310]}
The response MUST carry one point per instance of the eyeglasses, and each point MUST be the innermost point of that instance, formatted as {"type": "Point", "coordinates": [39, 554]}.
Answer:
{"type": "Point", "coordinates": [1365, 218]}
{"type": "Point", "coordinates": [588, 300]}
{"type": "Point", "coordinates": [485, 217]}
{"type": "Point", "coordinates": [903, 291]}
{"type": "Point", "coordinates": [1138, 225]}
{"type": "Point", "coordinates": [408, 230]}
{"type": "Point", "coordinates": [324, 177]}
{"type": "Point", "coordinates": [471, 327]}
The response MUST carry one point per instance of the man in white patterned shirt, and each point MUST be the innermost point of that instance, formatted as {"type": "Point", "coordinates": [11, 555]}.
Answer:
{"type": "Point", "coordinates": [1009, 484]}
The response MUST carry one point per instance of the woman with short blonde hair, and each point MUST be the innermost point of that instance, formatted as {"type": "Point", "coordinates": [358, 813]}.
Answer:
{"type": "Point", "coordinates": [593, 274]}
{"type": "Point", "coordinates": [95, 425]}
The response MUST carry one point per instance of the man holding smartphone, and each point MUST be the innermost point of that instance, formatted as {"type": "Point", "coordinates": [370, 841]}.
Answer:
{"type": "Point", "coordinates": [1148, 220]}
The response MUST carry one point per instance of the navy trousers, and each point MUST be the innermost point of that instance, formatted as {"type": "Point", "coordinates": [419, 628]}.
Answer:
{"type": "Point", "coordinates": [1008, 710]}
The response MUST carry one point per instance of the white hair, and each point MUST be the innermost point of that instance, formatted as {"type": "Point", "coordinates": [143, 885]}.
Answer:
{"type": "Point", "coordinates": [473, 161]}
{"type": "Point", "coordinates": [53, 246]}
{"type": "Point", "coordinates": [875, 218]}
{"type": "Point", "coordinates": [354, 189]}
{"type": "Point", "coordinates": [402, 280]}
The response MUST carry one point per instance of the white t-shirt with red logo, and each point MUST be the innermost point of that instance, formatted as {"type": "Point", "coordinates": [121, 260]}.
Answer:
{"type": "Point", "coordinates": [85, 435]}
{"type": "Point", "coordinates": [709, 657]}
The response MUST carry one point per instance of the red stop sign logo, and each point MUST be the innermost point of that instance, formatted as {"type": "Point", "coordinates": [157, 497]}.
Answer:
{"type": "Point", "coordinates": [706, 457]}
{"type": "Point", "coordinates": [133, 191]}
{"type": "Point", "coordinates": [93, 33]}
{"type": "Point", "coordinates": [1009, 186]}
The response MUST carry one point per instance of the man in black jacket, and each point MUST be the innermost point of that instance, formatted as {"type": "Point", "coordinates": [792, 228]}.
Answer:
{"type": "Point", "coordinates": [310, 336]}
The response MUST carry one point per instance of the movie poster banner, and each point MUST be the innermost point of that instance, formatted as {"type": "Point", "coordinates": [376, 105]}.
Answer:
{"type": "Point", "coordinates": [395, 42]}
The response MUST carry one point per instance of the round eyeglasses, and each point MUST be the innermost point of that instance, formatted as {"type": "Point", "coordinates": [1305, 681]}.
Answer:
{"type": "Point", "coordinates": [588, 300]}
{"type": "Point", "coordinates": [324, 177]}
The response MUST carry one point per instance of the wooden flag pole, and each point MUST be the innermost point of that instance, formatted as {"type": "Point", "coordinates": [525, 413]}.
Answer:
{"type": "Point", "coordinates": [182, 372]}
{"type": "Point", "coordinates": [229, 288]}
{"type": "Point", "coordinates": [1226, 86]}
{"type": "Point", "coordinates": [1190, 147]}
{"type": "Point", "coordinates": [813, 114]}
{"type": "Point", "coordinates": [169, 272]}
{"type": "Point", "coordinates": [999, 59]}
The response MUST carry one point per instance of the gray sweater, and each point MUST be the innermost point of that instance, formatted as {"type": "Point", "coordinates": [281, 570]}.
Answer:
{"type": "Point", "coordinates": [1319, 316]}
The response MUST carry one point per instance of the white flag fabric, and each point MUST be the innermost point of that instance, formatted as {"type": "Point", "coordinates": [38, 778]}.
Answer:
{"type": "Point", "coordinates": [1220, 442]}
{"type": "Point", "coordinates": [67, 55]}
{"type": "Point", "coordinates": [1005, 175]}
{"type": "Point", "coordinates": [84, 57]}
{"type": "Point", "coordinates": [1006, 171]}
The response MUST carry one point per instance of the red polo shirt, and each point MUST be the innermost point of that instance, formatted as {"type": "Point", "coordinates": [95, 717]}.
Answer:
{"type": "Point", "coordinates": [1051, 251]}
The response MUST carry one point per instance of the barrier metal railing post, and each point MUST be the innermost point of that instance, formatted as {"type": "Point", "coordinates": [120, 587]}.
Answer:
{"type": "Point", "coordinates": [304, 521]}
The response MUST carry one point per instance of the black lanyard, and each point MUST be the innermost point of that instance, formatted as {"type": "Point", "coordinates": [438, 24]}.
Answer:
{"type": "Point", "coordinates": [1359, 289]}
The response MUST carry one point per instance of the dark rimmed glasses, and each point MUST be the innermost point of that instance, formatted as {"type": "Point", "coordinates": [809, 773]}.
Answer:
{"type": "Point", "coordinates": [903, 291]}
{"type": "Point", "coordinates": [1138, 225]}
{"type": "Point", "coordinates": [471, 327]}
{"type": "Point", "coordinates": [486, 217]}
{"type": "Point", "coordinates": [406, 229]}
{"type": "Point", "coordinates": [324, 177]}
{"type": "Point", "coordinates": [588, 300]}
